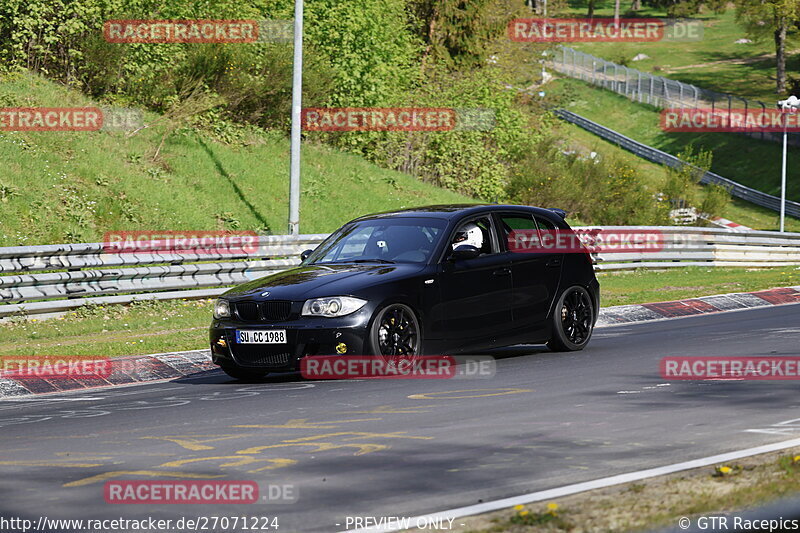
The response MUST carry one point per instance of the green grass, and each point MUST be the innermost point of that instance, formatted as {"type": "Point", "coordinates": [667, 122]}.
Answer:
{"type": "Point", "coordinates": [156, 327]}
{"type": "Point", "coordinates": [114, 330]}
{"type": "Point", "coordinates": [642, 286]}
{"type": "Point", "coordinates": [714, 55]}
{"type": "Point", "coordinates": [73, 187]}
{"type": "Point", "coordinates": [744, 159]}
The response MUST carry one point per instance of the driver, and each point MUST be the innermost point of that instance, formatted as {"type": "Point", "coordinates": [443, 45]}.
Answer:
{"type": "Point", "coordinates": [469, 234]}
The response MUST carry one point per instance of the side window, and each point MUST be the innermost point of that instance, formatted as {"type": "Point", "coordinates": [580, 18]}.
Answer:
{"type": "Point", "coordinates": [518, 230]}
{"type": "Point", "coordinates": [544, 223]}
{"type": "Point", "coordinates": [476, 233]}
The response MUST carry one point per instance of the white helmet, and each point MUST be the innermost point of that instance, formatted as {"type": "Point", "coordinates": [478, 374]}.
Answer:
{"type": "Point", "coordinates": [469, 234]}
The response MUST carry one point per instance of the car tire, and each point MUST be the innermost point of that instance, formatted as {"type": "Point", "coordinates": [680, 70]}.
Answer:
{"type": "Point", "coordinates": [244, 374]}
{"type": "Point", "coordinates": [395, 328]}
{"type": "Point", "coordinates": [572, 322]}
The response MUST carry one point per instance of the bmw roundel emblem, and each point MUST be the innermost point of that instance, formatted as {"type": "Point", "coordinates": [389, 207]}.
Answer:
{"type": "Point", "coordinates": [265, 294]}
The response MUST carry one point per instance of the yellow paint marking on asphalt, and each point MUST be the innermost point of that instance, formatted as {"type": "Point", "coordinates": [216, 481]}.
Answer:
{"type": "Point", "coordinates": [279, 463]}
{"type": "Point", "coordinates": [303, 423]}
{"type": "Point", "coordinates": [149, 473]}
{"type": "Point", "coordinates": [49, 464]}
{"type": "Point", "coordinates": [362, 448]}
{"type": "Point", "coordinates": [483, 393]}
{"type": "Point", "coordinates": [360, 435]}
{"type": "Point", "coordinates": [389, 409]}
{"type": "Point", "coordinates": [194, 442]}
{"type": "Point", "coordinates": [83, 456]}
{"type": "Point", "coordinates": [233, 460]}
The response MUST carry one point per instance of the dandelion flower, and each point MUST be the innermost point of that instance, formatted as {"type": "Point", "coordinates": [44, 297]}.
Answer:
{"type": "Point", "coordinates": [519, 507]}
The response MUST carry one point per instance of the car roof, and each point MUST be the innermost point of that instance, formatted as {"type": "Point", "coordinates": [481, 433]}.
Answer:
{"type": "Point", "coordinates": [453, 211]}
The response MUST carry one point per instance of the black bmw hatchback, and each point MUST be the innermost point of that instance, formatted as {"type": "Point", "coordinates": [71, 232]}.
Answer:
{"type": "Point", "coordinates": [428, 280]}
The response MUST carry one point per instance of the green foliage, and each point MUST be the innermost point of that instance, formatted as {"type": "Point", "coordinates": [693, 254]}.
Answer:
{"type": "Point", "coordinates": [687, 8]}
{"type": "Point", "coordinates": [458, 32]}
{"type": "Point", "coordinates": [681, 186]}
{"type": "Point", "coordinates": [716, 200]}
{"type": "Point", "coordinates": [357, 53]}
{"type": "Point", "coordinates": [593, 190]}
{"type": "Point", "coordinates": [476, 163]}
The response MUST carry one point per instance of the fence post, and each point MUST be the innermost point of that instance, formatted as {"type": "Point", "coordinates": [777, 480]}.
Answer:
{"type": "Point", "coordinates": [745, 115]}
{"type": "Point", "coordinates": [639, 86]}
{"type": "Point", "coordinates": [730, 111]}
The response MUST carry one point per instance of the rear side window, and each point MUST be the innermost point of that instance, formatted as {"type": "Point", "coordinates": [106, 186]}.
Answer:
{"type": "Point", "coordinates": [518, 229]}
{"type": "Point", "coordinates": [544, 223]}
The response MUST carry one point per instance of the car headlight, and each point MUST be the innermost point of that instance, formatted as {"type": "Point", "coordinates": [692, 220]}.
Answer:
{"type": "Point", "coordinates": [222, 309]}
{"type": "Point", "coordinates": [334, 306]}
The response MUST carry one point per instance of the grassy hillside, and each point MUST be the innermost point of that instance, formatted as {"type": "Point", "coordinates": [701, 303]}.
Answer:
{"type": "Point", "coordinates": [716, 62]}
{"type": "Point", "coordinates": [653, 175]}
{"type": "Point", "coordinates": [747, 160]}
{"type": "Point", "coordinates": [72, 187]}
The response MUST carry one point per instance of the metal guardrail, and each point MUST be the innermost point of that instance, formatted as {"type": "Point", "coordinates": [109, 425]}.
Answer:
{"type": "Point", "coordinates": [693, 246]}
{"type": "Point", "coordinates": [657, 156]}
{"type": "Point", "coordinates": [54, 278]}
{"type": "Point", "coordinates": [50, 278]}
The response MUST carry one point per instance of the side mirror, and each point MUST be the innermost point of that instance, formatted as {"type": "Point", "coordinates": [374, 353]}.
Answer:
{"type": "Point", "coordinates": [304, 255]}
{"type": "Point", "coordinates": [465, 251]}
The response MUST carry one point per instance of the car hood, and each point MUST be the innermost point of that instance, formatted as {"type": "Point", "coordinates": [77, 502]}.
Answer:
{"type": "Point", "coordinates": [315, 281]}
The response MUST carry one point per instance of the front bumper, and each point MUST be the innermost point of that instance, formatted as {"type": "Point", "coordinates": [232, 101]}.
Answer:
{"type": "Point", "coordinates": [304, 336]}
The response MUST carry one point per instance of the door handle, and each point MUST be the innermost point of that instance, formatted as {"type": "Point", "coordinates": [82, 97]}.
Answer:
{"type": "Point", "coordinates": [505, 271]}
{"type": "Point", "coordinates": [554, 262]}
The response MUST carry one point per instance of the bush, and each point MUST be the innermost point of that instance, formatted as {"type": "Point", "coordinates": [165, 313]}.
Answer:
{"type": "Point", "coordinates": [717, 199]}
{"type": "Point", "coordinates": [593, 190]}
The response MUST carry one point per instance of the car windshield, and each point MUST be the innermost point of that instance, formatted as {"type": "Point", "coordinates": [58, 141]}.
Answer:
{"type": "Point", "coordinates": [381, 240]}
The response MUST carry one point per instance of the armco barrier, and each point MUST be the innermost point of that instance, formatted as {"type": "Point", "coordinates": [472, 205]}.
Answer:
{"type": "Point", "coordinates": [692, 246]}
{"type": "Point", "coordinates": [58, 277]}
{"type": "Point", "coordinates": [657, 156]}
{"type": "Point", "coordinates": [54, 278]}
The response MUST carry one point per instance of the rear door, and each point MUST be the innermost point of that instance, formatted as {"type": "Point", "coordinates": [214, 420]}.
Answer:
{"type": "Point", "coordinates": [535, 274]}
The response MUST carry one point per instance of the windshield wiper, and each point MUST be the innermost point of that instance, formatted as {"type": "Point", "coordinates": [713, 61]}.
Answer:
{"type": "Point", "coordinates": [384, 261]}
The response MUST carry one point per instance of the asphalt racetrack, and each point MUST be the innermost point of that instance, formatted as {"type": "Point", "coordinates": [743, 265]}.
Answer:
{"type": "Point", "coordinates": [403, 447]}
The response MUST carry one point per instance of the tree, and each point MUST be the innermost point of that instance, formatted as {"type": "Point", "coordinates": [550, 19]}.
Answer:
{"type": "Point", "coordinates": [764, 17]}
{"type": "Point", "coordinates": [457, 32]}
{"type": "Point", "coordinates": [683, 8]}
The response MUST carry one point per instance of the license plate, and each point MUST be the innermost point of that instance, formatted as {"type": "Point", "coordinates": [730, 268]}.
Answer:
{"type": "Point", "coordinates": [261, 336]}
